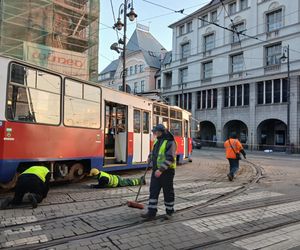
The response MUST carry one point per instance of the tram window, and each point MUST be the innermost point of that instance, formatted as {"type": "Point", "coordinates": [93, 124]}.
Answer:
{"type": "Point", "coordinates": [91, 93]}
{"type": "Point", "coordinates": [17, 74]}
{"type": "Point", "coordinates": [186, 129]}
{"type": "Point", "coordinates": [80, 112]}
{"type": "Point", "coordinates": [73, 88]}
{"type": "Point", "coordinates": [146, 129]}
{"type": "Point", "coordinates": [165, 122]}
{"type": "Point", "coordinates": [121, 119]}
{"type": "Point", "coordinates": [156, 109]}
{"type": "Point", "coordinates": [175, 114]}
{"type": "Point", "coordinates": [164, 111]}
{"type": "Point", "coordinates": [137, 121]}
{"type": "Point", "coordinates": [176, 127]}
{"type": "Point", "coordinates": [31, 103]}
{"type": "Point", "coordinates": [48, 82]}
{"type": "Point", "coordinates": [155, 120]}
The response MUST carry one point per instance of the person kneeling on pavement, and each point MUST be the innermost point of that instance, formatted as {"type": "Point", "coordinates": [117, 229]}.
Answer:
{"type": "Point", "coordinates": [106, 180]}
{"type": "Point", "coordinates": [34, 181]}
{"type": "Point", "coordinates": [163, 158]}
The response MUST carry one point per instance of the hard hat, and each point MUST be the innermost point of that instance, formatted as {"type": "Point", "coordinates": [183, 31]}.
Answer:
{"type": "Point", "coordinates": [94, 171]}
{"type": "Point", "coordinates": [159, 127]}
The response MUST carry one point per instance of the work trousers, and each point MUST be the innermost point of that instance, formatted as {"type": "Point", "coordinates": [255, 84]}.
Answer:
{"type": "Point", "coordinates": [165, 182]}
{"type": "Point", "coordinates": [234, 166]}
{"type": "Point", "coordinates": [29, 183]}
{"type": "Point", "coordinates": [124, 182]}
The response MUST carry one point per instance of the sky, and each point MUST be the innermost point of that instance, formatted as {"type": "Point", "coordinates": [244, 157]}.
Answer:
{"type": "Point", "coordinates": [157, 18]}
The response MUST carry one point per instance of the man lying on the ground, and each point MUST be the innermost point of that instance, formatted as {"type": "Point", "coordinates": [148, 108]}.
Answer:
{"type": "Point", "coordinates": [106, 180]}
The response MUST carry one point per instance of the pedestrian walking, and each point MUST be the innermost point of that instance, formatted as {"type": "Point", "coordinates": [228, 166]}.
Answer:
{"type": "Point", "coordinates": [233, 149]}
{"type": "Point", "coordinates": [163, 159]}
{"type": "Point", "coordinates": [34, 182]}
{"type": "Point", "coordinates": [106, 180]}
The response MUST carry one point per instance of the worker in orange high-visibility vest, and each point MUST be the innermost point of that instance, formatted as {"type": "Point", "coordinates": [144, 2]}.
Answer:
{"type": "Point", "coordinates": [233, 149]}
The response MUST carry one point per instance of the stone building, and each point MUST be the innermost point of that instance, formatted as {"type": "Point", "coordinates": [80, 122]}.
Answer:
{"type": "Point", "coordinates": [234, 82]}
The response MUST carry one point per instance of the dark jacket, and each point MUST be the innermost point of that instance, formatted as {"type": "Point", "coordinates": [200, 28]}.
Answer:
{"type": "Point", "coordinates": [170, 150]}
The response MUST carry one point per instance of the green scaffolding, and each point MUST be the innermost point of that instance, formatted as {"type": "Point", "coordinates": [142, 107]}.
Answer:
{"type": "Point", "coordinates": [69, 25]}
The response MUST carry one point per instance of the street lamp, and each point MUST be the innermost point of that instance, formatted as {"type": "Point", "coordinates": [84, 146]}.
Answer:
{"type": "Point", "coordinates": [119, 25]}
{"type": "Point", "coordinates": [286, 56]}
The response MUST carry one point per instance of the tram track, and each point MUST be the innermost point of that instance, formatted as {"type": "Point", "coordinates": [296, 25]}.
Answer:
{"type": "Point", "coordinates": [138, 223]}
{"type": "Point", "coordinates": [241, 236]}
{"type": "Point", "coordinates": [193, 188]}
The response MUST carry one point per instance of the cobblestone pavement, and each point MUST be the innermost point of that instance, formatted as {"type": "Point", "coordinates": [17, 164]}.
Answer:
{"type": "Point", "coordinates": [212, 213]}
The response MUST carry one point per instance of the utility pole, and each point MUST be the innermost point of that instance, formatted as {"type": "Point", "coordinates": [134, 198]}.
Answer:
{"type": "Point", "coordinates": [288, 137]}
{"type": "Point", "coordinates": [124, 47]}
{"type": "Point", "coordinates": [119, 26]}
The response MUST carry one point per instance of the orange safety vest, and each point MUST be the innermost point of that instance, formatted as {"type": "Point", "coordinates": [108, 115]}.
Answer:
{"type": "Point", "coordinates": [230, 154]}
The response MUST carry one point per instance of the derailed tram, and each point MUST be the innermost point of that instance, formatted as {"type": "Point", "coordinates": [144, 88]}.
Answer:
{"type": "Point", "coordinates": [73, 125]}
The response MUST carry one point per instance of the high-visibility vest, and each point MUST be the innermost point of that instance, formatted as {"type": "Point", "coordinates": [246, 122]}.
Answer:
{"type": "Point", "coordinates": [230, 153]}
{"type": "Point", "coordinates": [113, 179]}
{"type": "Point", "coordinates": [39, 171]}
{"type": "Point", "coordinates": [161, 158]}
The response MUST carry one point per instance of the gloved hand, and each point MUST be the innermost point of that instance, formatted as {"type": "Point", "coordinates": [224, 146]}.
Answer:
{"type": "Point", "coordinates": [245, 156]}
{"type": "Point", "coordinates": [157, 173]}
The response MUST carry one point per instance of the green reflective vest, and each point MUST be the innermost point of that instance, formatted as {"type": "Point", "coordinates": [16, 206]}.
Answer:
{"type": "Point", "coordinates": [162, 155]}
{"type": "Point", "coordinates": [113, 179]}
{"type": "Point", "coordinates": [39, 171]}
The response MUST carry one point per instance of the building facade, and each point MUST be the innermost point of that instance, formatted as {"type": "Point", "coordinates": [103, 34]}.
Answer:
{"type": "Point", "coordinates": [143, 61]}
{"type": "Point", "coordinates": [61, 35]}
{"type": "Point", "coordinates": [235, 82]}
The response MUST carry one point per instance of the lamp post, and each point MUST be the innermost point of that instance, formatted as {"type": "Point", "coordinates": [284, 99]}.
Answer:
{"type": "Point", "coordinates": [286, 56]}
{"type": "Point", "coordinates": [119, 25]}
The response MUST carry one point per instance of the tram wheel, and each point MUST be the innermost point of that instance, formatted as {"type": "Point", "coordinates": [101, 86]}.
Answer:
{"type": "Point", "coordinates": [76, 173]}
{"type": "Point", "coordinates": [11, 184]}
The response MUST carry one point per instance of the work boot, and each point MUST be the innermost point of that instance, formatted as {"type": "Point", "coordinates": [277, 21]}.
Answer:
{"type": "Point", "coordinates": [6, 203]}
{"type": "Point", "coordinates": [32, 199]}
{"type": "Point", "coordinates": [143, 180]}
{"type": "Point", "coordinates": [148, 216]}
{"type": "Point", "coordinates": [230, 178]}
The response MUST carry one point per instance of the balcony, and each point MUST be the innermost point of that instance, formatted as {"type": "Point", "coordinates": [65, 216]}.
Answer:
{"type": "Point", "coordinates": [272, 34]}
{"type": "Point", "coordinates": [275, 67]}
{"type": "Point", "coordinates": [235, 75]}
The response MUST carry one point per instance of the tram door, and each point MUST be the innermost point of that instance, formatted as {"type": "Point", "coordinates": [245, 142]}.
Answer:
{"type": "Point", "coordinates": [186, 138]}
{"type": "Point", "coordinates": [115, 133]}
{"type": "Point", "coordinates": [141, 127]}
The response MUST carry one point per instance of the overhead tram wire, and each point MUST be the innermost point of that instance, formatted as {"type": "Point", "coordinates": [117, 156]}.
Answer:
{"type": "Point", "coordinates": [209, 22]}
{"type": "Point", "coordinates": [201, 19]}
{"type": "Point", "coordinates": [114, 17]}
{"type": "Point", "coordinates": [237, 33]}
{"type": "Point", "coordinates": [217, 25]}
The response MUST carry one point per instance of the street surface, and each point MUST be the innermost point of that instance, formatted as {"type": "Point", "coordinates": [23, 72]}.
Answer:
{"type": "Point", "coordinates": [260, 209]}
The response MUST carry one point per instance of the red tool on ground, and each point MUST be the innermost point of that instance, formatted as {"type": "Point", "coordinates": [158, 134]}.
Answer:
{"type": "Point", "coordinates": [135, 203]}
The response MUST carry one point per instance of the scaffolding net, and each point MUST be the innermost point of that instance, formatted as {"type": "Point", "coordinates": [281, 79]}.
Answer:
{"type": "Point", "coordinates": [61, 35]}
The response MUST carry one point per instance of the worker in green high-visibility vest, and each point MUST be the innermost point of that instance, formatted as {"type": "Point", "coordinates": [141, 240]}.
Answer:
{"type": "Point", "coordinates": [163, 158]}
{"type": "Point", "coordinates": [106, 180]}
{"type": "Point", "coordinates": [34, 182]}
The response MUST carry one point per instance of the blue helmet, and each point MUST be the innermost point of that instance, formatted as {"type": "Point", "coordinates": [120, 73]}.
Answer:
{"type": "Point", "coordinates": [159, 127]}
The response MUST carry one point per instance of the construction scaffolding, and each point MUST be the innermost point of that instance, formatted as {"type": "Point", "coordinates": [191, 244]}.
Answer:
{"type": "Point", "coordinates": [58, 34]}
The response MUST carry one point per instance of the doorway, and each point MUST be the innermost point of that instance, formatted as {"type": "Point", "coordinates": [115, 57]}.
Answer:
{"type": "Point", "coordinates": [115, 146]}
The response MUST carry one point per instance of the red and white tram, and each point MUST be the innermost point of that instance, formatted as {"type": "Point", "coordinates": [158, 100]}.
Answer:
{"type": "Point", "coordinates": [73, 125]}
